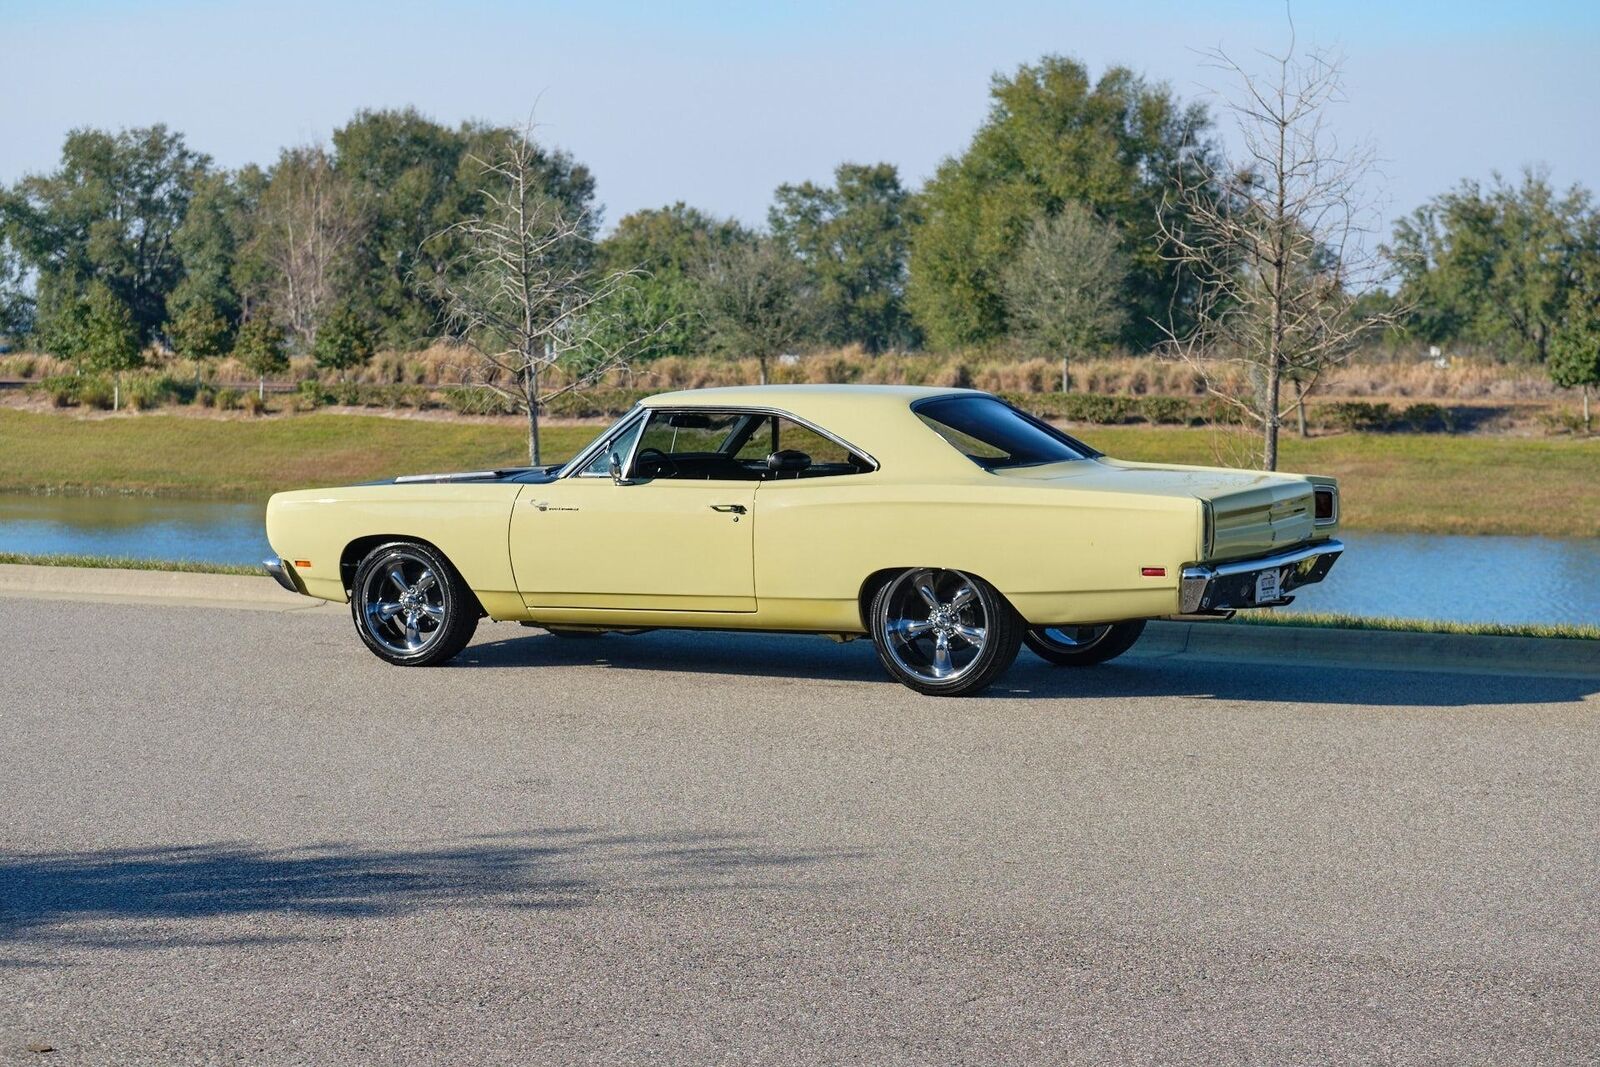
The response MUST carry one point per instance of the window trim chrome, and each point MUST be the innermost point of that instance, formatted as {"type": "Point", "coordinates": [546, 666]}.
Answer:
{"type": "Point", "coordinates": [576, 466]}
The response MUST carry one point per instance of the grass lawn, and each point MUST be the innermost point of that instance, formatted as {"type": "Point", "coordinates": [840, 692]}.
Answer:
{"type": "Point", "coordinates": [1430, 483]}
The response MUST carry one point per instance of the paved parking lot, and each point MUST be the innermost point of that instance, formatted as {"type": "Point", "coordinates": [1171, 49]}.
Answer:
{"type": "Point", "coordinates": [235, 836]}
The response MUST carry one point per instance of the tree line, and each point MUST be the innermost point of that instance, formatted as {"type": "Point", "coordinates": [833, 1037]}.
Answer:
{"type": "Point", "coordinates": [1085, 215]}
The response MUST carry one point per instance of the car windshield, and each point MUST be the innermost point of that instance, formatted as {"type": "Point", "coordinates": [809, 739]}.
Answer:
{"type": "Point", "coordinates": [995, 435]}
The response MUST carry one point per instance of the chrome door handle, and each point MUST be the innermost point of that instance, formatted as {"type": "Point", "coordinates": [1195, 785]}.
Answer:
{"type": "Point", "coordinates": [734, 509]}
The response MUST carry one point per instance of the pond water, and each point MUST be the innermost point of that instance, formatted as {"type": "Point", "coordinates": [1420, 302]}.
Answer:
{"type": "Point", "coordinates": [1461, 579]}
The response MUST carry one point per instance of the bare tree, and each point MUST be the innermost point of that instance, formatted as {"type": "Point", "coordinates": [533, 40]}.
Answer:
{"type": "Point", "coordinates": [309, 225]}
{"type": "Point", "coordinates": [519, 293]}
{"type": "Point", "coordinates": [1282, 245]}
{"type": "Point", "coordinates": [758, 301]}
{"type": "Point", "coordinates": [1063, 291]}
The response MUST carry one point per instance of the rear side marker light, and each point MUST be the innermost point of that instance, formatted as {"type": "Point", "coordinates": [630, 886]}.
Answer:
{"type": "Point", "coordinates": [303, 564]}
{"type": "Point", "coordinates": [1153, 572]}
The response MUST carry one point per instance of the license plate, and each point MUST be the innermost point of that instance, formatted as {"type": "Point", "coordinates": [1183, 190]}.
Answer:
{"type": "Point", "coordinates": [1267, 587]}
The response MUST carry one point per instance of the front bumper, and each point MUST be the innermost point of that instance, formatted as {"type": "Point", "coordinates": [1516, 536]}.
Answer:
{"type": "Point", "coordinates": [1215, 588]}
{"type": "Point", "coordinates": [282, 572]}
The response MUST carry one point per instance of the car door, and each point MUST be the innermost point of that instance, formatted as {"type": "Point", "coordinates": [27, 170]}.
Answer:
{"type": "Point", "coordinates": [651, 542]}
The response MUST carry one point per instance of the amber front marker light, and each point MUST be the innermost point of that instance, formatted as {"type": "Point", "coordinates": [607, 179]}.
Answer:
{"type": "Point", "coordinates": [1153, 572]}
{"type": "Point", "coordinates": [303, 564]}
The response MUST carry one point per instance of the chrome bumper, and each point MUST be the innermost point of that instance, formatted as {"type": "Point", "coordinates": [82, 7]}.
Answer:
{"type": "Point", "coordinates": [1209, 588]}
{"type": "Point", "coordinates": [282, 573]}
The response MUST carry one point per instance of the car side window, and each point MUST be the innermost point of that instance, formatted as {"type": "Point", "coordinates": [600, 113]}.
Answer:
{"type": "Point", "coordinates": [738, 446]}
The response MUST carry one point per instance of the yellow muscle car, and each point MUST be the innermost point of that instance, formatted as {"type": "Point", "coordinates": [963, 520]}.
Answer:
{"type": "Point", "coordinates": [945, 523]}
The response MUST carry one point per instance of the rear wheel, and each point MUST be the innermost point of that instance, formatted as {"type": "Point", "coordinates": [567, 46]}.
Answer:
{"type": "Point", "coordinates": [411, 607]}
{"type": "Point", "coordinates": [1081, 646]}
{"type": "Point", "coordinates": [944, 633]}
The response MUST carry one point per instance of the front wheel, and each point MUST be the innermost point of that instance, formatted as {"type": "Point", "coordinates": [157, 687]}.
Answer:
{"type": "Point", "coordinates": [1081, 646]}
{"type": "Point", "coordinates": [944, 633]}
{"type": "Point", "coordinates": [411, 607]}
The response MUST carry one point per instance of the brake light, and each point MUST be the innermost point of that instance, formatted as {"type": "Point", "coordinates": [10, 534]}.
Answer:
{"type": "Point", "coordinates": [1326, 508]}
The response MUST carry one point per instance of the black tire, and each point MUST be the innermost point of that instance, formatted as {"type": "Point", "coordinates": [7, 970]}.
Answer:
{"type": "Point", "coordinates": [425, 620]}
{"type": "Point", "coordinates": [1083, 646]}
{"type": "Point", "coordinates": [966, 633]}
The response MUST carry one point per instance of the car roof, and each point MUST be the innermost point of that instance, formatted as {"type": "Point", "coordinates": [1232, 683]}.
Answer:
{"type": "Point", "coordinates": [875, 419]}
{"type": "Point", "coordinates": [798, 397]}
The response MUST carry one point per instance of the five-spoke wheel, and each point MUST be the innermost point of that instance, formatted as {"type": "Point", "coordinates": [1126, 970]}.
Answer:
{"type": "Point", "coordinates": [1080, 646]}
{"type": "Point", "coordinates": [944, 633]}
{"type": "Point", "coordinates": [410, 606]}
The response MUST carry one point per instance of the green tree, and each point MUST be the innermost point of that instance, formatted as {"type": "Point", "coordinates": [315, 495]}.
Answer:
{"type": "Point", "coordinates": [205, 306]}
{"type": "Point", "coordinates": [853, 238]}
{"type": "Point", "coordinates": [260, 346]}
{"type": "Point", "coordinates": [109, 213]}
{"type": "Point", "coordinates": [412, 178]}
{"type": "Point", "coordinates": [667, 248]}
{"type": "Point", "coordinates": [344, 340]}
{"type": "Point", "coordinates": [1054, 137]}
{"type": "Point", "coordinates": [110, 336]}
{"type": "Point", "coordinates": [1494, 265]}
{"type": "Point", "coordinates": [16, 304]}
{"type": "Point", "coordinates": [1063, 290]}
{"type": "Point", "coordinates": [1574, 358]}
{"type": "Point", "coordinates": [758, 302]}
{"type": "Point", "coordinates": [199, 332]}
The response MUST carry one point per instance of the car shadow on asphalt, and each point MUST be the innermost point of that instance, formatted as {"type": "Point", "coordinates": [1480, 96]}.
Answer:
{"type": "Point", "coordinates": [806, 657]}
{"type": "Point", "coordinates": [158, 897]}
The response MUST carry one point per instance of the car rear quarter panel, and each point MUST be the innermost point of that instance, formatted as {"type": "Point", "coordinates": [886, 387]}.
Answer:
{"type": "Point", "coordinates": [1058, 555]}
{"type": "Point", "coordinates": [467, 522]}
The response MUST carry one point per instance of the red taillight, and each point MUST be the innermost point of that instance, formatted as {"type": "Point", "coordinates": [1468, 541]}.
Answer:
{"type": "Point", "coordinates": [1153, 572]}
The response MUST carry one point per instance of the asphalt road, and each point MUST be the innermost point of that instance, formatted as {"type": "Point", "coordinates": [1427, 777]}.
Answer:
{"type": "Point", "coordinates": [234, 836]}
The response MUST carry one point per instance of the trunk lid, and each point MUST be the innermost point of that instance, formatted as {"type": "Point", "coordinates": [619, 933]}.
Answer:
{"type": "Point", "coordinates": [1252, 512]}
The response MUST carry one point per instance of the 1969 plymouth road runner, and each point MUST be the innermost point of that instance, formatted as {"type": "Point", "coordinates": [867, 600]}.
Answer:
{"type": "Point", "coordinates": [946, 524]}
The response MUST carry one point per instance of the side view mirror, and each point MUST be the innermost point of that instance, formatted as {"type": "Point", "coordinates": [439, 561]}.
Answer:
{"type": "Point", "coordinates": [788, 461]}
{"type": "Point", "coordinates": [616, 468]}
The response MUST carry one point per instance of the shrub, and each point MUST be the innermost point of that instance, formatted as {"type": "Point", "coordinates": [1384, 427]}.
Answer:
{"type": "Point", "coordinates": [62, 389]}
{"type": "Point", "coordinates": [1167, 410]}
{"type": "Point", "coordinates": [465, 400]}
{"type": "Point", "coordinates": [310, 394]}
{"type": "Point", "coordinates": [148, 392]}
{"type": "Point", "coordinates": [228, 399]}
{"type": "Point", "coordinates": [205, 395]}
{"type": "Point", "coordinates": [1562, 422]}
{"type": "Point", "coordinates": [96, 392]}
{"type": "Point", "coordinates": [1360, 416]}
{"type": "Point", "coordinates": [1430, 418]}
{"type": "Point", "coordinates": [253, 404]}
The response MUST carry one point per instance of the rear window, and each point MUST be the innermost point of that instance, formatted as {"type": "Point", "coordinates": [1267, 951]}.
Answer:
{"type": "Point", "coordinates": [995, 435]}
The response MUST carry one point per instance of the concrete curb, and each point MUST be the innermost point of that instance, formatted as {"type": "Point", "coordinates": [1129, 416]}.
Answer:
{"type": "Point", "coordinates": [1392, 649]}
{"type": "Point", "coordinates": [1297, 645]}
{"type": "Point", "coordinates": [166, 587]}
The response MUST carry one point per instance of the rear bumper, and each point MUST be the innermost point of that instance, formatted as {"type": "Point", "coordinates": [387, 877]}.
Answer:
{"type": "Point", "coordinates": [1210, 588]}
{"type": "Point", "coordinates": [282, 572]}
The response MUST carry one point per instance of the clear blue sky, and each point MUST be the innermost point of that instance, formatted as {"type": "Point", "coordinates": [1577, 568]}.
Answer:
{"type": "Point", "coordinates": [718, 103]}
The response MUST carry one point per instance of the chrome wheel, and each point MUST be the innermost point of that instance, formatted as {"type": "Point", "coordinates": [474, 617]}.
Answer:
{"type": "Point", "coordinates": [1083, 646]}
{"type": "Point", "coordinates": [1074, 638]}
{"type": "Point", "coordinates": [935, 625]}
{"type": "Point", "coordinates": [402, 603]}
